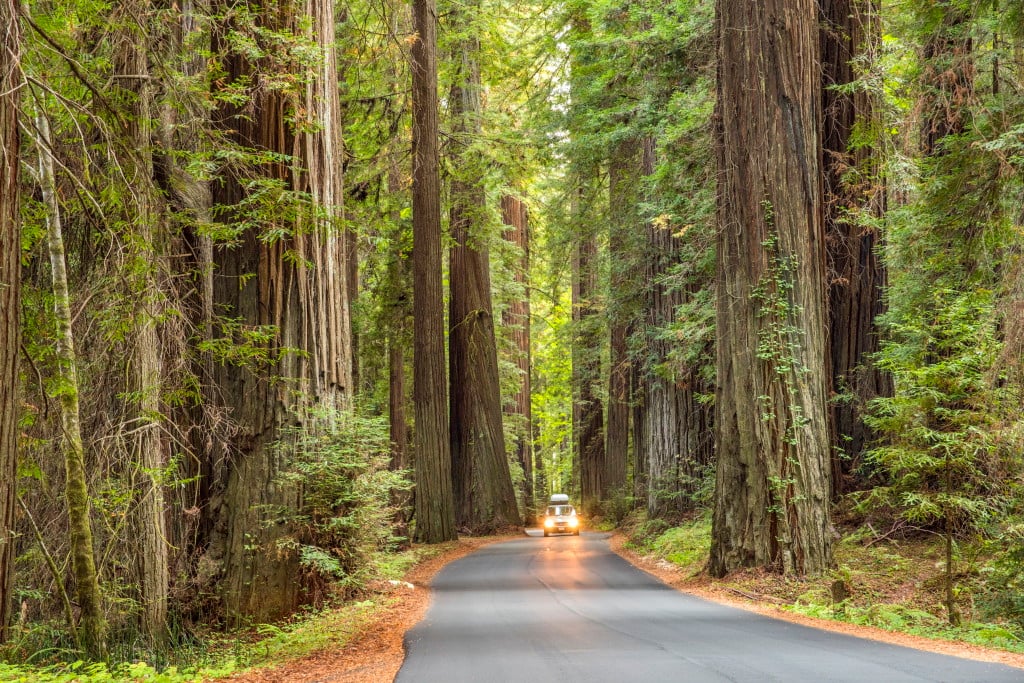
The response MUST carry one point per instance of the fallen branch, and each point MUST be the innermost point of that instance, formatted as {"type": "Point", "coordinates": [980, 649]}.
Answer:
{"type": "Point", "coordinates": [755, 597]}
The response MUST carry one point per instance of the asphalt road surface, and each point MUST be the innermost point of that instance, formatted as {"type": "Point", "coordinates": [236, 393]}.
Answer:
{"type": "Point", "coordinates": [566, 608]}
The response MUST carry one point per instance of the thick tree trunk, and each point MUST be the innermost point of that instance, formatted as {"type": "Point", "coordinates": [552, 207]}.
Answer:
{"type": "Point", "coordinates": [485, 499]}
{"type": "Point", "coordinates": [92, 624]}
{"type": "Point", "coordinates": [517, 319]}
{"type": "Point", "coordinates": [641, 454]}
{"type": "Point", "coordinates": [624, 169]}
{"type": "Point", "coordinates": [677, 432]}
{"type": "Point", "coordinates": [145, 364]}
{"type": "Point", "coordinates": [10, 296]}
{"type": "Point", "coordinates": [772, 433]}
{"type": "Point", "coordinates": [853, 196]}
{"type": "Point", "coordinates": [435, 507]}
{"type": "Point", "coordinates": [295, 286]}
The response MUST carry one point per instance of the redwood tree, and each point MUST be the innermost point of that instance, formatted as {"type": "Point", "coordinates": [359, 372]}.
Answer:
{"type": "Point", "coordinates": [624, 170]}
{"type": "Point", "coordinates": [10, 295]}
{"type": "Point", "coordinates": [675, 433]}
{"type": "Point", "coordinates": [435, 506]}
{"type": "Point", "coordinates": [773, 476]}
{"type": "Point", "coordinates": [287, 283]}
{"type": "Point", "coordinates": [484, 497]}
{"type": "Point", "coordinates": [854, 194]}
{"type": "Point", "coordinates": [587, 408]}
{"type": "Point", "coordinates": [143, 239]}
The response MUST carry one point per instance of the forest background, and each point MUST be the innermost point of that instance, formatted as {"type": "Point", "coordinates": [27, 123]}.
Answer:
{"type": "Point", "coordinates": [286, 286]}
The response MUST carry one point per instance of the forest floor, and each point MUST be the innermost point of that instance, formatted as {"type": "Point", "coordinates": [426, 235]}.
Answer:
{"type": "Point", "coordinates": [375, 653]}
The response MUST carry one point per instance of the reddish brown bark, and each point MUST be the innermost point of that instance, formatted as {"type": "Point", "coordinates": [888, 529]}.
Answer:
{"type": "Point", "coordinates": [588, 413]}
{"type": "Point", "coordinates": [303, 301]}
{"type": "Point", "coordinates": [587, 408]}
{"type": "Point", "coordinates": [675, 438]}
{"type": "Point", "coordinates": [771, 424]}
{"type": "Point", "coordinates": [435, 506]}
{"type": "Point", "coordinates": [10, 296]}
{"type": "Point", "coordinates": [623, 198]}
{"type": "Point", "coordinates": [853, 195]}
{"type": "Point", "coordinates": [484, 496]}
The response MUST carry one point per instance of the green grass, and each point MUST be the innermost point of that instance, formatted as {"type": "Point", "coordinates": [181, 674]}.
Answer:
{"type": "Point", "coordinates": [686, 546]}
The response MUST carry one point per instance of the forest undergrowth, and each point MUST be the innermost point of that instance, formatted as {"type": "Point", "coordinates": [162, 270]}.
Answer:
{"type": "Point", "coordinates": [211, 654]}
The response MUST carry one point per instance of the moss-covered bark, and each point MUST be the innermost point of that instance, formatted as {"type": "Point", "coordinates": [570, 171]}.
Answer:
{"type": "Point", "coordinates": [92, 624]}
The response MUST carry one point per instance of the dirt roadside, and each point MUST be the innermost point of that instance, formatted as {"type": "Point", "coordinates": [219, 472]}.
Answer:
{"type": "Point", "coordinates": [378, 653]}
{"type": "Point", "coordinates": [704, 587]}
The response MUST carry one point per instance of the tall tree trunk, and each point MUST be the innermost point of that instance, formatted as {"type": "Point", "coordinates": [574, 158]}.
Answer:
{"type": "Point", "coordinates": [183, 123]}
{"type": "Point", "coordinates": [295, 286]}
{"type": "Point", "coordinates": [398, 339]}
{"type": "Point", "coordinates": [587, 410]}
{"type": "Point", "coordinates": [10, 296]}
{"type": "Point", "coordinates": [588, 413]}
{"type": "Point", "coordinates": [145, 366]}
{"type": "Point", "coordinates": [624, 202]}
{"type": "Point", "coordinates": [485, 499]}
{"type": "Point", "coordinates": [772, 434]}
{"type": "Point", "coordinates": [517, 318]}
{"type": "Point", "coordinates": [435, 506]}
{"type": "Point", "coordinates": [92, 624]}
{"type": "Point", "coordinates": [677, 432]}
{"type": "Point", "coordinates": [641, 454]}
{"type": "Point", "coordinates": [853, 196]}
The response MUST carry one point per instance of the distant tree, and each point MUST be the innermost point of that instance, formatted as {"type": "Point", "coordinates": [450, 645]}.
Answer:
{"type": "Point", "coordinates": [677, 428]}
{"type": "Point", "coordinates": [515, 217]}
{"type": "Point", "coordinates": [773, 476]}
{"type": "Point", "coordinates": [624, 230]}
{"type": "Point", "coordinates": [588, 409]}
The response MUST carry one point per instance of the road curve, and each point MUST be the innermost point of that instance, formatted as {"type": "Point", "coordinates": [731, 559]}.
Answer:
{"type": "Point", "coordinates": [566, 608]}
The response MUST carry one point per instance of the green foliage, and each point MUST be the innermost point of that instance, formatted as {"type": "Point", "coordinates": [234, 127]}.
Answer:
{"type": "Point", "coordinates": [341, 462]}
{"type": "Point", "coordinates": [98, 672]}
{"type": "Point", "coordinates": [618, 505]}
{"type": "Point", "coordinates": [687, 546]}
{"type": "Point", "coordinates": [1003, 591]}
{"type": "Point", "coordinates": [939, 425]}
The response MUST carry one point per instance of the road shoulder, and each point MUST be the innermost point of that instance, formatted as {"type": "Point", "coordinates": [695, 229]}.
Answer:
{"type": "Point", "coordinates": [703, 587]}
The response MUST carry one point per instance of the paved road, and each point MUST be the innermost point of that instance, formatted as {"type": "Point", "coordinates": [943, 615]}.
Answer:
{"type": "Point", "coordinates": [566, 608]}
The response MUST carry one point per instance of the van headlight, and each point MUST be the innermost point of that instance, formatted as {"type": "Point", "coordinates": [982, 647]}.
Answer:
{"type": "Point", "coordinates": [548, 522]}
{"type": "Point", "coordinates": [574, 522]}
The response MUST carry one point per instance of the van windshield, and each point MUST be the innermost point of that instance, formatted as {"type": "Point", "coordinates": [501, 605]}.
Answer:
{"type": "Point", "coordinates": [555, 510]}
